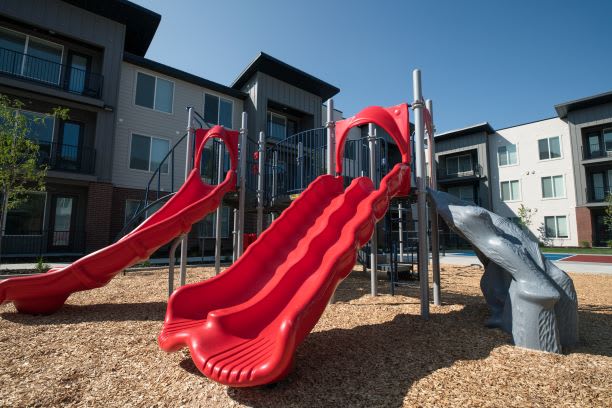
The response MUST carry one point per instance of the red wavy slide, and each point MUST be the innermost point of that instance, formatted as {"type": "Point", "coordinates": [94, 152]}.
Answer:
{"type": "Point", "coordinates": [242, 327]}
{"type": "Point", "coordinates": [46, 293]}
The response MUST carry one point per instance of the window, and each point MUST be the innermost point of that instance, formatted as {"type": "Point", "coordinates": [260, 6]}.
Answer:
{"type": "Point", "coordinates": [459, 164]}
{"type": "Point", "coordinates": [62, 220]}
{"type": "Point", "coordinates": [510, 190]}
{"type": "Point", "coordinates": [207, 226]}
{"type": "Point", "coordinates": [146, 153]}
{"type": "Point", "coordinates": [553, 187]}
{"type": "Point", "coordinates": [550, 148]}
{"type": "Point", "coordinates": [465, 193]}
{"type": "Point", "coordinates": [599, 143]}
{"type": "Point", "coordinates": [556, 227]}
{"type": "Point", "coordinates": [506, 155]}
{"type": "Point", "coordinates": [607, 134]}
{"type": "Point", "coordinates": [601, 188]}
{"type": "Point", "coordinates": [218, 111]}
{"type": "Point", "coordinates": [277, 126]}
{"type": "Point", "coordinates": [28, 217]}
{"type": "Point", "coordinates": [154, 93]}
{"type": "Point", "coordinates": [30, 57]}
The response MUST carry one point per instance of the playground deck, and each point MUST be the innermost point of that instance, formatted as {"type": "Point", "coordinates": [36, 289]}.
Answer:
{"type": "Point", "coordinates": [101, 349]}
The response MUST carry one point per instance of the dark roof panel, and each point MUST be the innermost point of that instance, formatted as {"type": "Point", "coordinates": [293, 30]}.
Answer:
{"type": "Point", "coordinates": [280, 70]}
{"type": "Point", "coordinates": [185, 76]}
{"type": "Point", "coordinates": [480, 127]}
{"type": "Point", "coordinates": [140, 23]}
{"type": "Point", "coordinates": [564, 108]}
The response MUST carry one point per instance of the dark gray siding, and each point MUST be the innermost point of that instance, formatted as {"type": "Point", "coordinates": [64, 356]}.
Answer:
{"type": "Point", "coordinates": [577, 121]}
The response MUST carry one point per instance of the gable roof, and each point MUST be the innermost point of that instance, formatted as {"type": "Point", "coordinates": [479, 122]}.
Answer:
{"type": "Point", "coordinates": [280, 70]}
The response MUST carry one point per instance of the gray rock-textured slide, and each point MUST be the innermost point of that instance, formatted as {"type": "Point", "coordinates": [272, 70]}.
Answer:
{"type": "Point", "coordinates": [529, 297]}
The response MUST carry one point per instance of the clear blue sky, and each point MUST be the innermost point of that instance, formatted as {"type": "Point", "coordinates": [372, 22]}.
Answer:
{"type": "Point", "coordinates": [506, 62]}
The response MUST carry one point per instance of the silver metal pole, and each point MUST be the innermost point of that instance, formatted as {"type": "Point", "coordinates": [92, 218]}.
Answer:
{"type": "Point", "coordinates": [274, 176]}
{"type": "Point", "coordinates": [331, 138]}
{"type": "Point", "coordinates": [419, 134]}
{"type": "Point", "coordinates": [171, 263]}
{"type": "Point", "coordinates": [242, 193]}
{"type": "Point", "coordinates": [300, 163]}
{"type": "Point", "coordinates": [400, 226]}
{"type": "Point", "coordinates": [374, 240]}
{"type": "Point", "coordinates": [219, 213]}
{"type": "Point", "coordinates": [235, 237]}
{"type": "Point", "coordinates": [433, 214]}
{"type": "Point", "coordinates": [260, 181]}
{"type": "Point", "coordinates": [188, 157]}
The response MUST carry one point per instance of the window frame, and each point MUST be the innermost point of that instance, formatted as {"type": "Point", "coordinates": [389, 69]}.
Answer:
{"type": "Point", "coordinates": [154, 92]}
{"type": "Point", "coordinates": [44, 116]}
{"type": "Point", "coordinates": [556, 219]}
{"type": "Point", "coordinates": [25, 52]}
{"type": "Point", "coordinates": [459, 173]}
{"type": "Point", "coordinates": [520, 193]}
{"type": "Point", "coordinates": [129, 157]}
{"type": "Point", "coordinates": [554, 197]}
{"type": "Point", "coordinates": [269, 116]}
{"type": "Point", "coordinates": [219, 97]}
{"type": "Point", "coordinates": [548, 142]}
{"type": "Point", "coordinates": [508, 155]}
{"type": "Point", "coordinates": [44, 218]}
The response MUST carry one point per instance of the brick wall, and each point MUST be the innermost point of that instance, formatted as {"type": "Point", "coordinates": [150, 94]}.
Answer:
{"type": "Point", "coordinates": [99, 204]}
{"type": "Point", "coordinates": [584, 225]}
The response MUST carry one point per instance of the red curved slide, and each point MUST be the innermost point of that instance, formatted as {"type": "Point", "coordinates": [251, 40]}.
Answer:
{"type": "Point", "coordinates": [242, 327]}
{"type": "Point", "coordinates": [45, 293]}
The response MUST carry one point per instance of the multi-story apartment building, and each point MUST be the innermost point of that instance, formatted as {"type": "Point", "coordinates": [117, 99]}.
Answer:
{"type": "Point", "coordinates": [68, 53]}
{"type": "Point", "coordinates": [590, 128]}
{"type": "Point", "coordinates": [126, 113]}
{"type": "Point", "coordinates": [531, 166]}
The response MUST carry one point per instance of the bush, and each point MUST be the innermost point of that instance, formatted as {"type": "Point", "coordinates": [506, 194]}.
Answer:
{"type": "Point", "coordinates": [610, 243]}
{"type": "Point", "coordinates": [41, 266]}
{"type": "Point", "coordinates": [585, 244]}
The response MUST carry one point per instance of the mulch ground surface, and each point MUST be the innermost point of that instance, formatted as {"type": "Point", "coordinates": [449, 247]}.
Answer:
{"type": "Point", "coordinates": [100, 350]}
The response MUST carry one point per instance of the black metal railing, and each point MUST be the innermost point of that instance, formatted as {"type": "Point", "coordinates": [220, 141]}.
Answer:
{"type": "Point", "coordinates": [598, 194]}
{"type": "Point", "coordinates": [36, 243]}
{"type": "Point", "coordinates": [595, 153]}
{"type": "Point", "coordinates": [50, 73]}
{"type": "Point", "coordinates": [445, 173]}
{"type": "Point", "coordinates": [59, 156]}
{"type": "Point", "coordinates": [356, 159]}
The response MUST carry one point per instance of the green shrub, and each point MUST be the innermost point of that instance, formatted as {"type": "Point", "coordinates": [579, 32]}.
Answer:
{"type": "Point", "coordinates": [41, 266]}
{"type": "Point", "coordinates": [585, 244]}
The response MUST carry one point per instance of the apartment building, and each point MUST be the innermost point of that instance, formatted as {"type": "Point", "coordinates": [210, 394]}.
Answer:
{"type": "Point", "coordinates": [68, 53]}
{"type": "Point", "coordinates": [590, 127]}
{"type": "Point", "coordinates": [127, 113]}
{"type": "Point", "coordinates": [531, 166]}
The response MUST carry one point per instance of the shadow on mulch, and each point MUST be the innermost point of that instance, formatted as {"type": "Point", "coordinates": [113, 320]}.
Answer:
{"type": "Point", "coordinates": [104, 312]}
{"type": "Point", "coordinates": [375, 365]}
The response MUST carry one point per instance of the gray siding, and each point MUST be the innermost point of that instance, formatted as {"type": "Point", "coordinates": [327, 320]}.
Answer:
{"type": "Point", "coordinates": [577, 121]}
{"type": "Point", "coordinates": [171, 126]}
{"type": "Point", "coordinates": [98, 31]}
{"type": "Point", "coordinates": [263, 88]}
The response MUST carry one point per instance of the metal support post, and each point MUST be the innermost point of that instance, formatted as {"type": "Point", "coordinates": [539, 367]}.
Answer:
{"type": "Point", "coordinates": [274, 176]}
{"type": "Point", "coordinates": [188, 164]}
{"type": "Point", "coordinates": [171, 263]}
{"type": "Point", "coordinates": [374, 240]}
{"type": "Point", "coordinates": [235, 237]}
{"type": "Point", "coordinates": [433, 214]}
{"type": "Point", "coordinates": [219, 214]}
{"type": "Point", "coordinates": [400, 227]}
{"type": "Point", "coordinates": [300, 163]}
{"type": "Point", "coordinates": [419, 134]}
{"type": "Point", "coordinates": [331, 138]}
{"type": "Point", "coordinates": [242, 178]}
{"type": "Point", "coordinates": [260, 181]}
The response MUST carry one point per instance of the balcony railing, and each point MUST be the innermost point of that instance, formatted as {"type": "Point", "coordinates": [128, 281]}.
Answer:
{"type": "Point", "coordinates": [65, 157]}
{"type": "Point", "coordinates": [50, 73]}
{"type": "Point", "coordinates": [598, 194]}
{"type": "Point", "coordinates": [596, 154]}
{"type": "Point", "coordinates": [35, 243]}
{"type": "Point", "coordinates": [445, 174]}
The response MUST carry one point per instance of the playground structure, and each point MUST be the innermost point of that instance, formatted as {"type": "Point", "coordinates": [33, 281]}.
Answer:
{"type": "Point", "coordinates": [242, 327]}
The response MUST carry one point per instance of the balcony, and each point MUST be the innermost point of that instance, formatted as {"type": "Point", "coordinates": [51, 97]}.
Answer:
{"type": "Point", "coordinates": [587, 154]}
{"type": "Point", "coordinates": [598, 194]}
{"type": "Point", "coordinates": [475, 172]}
{"type": "Point", "coordinates": [63, 157]}
{"type": "Point", "coordinates": [50, 73]}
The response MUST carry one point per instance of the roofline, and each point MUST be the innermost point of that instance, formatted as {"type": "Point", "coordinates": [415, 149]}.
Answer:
{"type": "Point", "coordinates": [182, 75]}
{"type": "Point", "coordinates": [479, 127]}
{"type": "Point", "coordinates": [245, 75]}
{"type": "Point", "coordinates": [529, 123]}
{"type": "Point", "coordinates": [564, 108]}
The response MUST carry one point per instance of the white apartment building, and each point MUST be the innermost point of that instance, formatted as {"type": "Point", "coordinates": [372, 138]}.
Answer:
{"type": "Point", "coordinates": [531, 165]}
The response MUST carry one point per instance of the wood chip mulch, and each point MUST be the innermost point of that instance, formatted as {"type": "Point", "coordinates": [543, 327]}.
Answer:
{"type": "Point", "coordinates": [100, 350]}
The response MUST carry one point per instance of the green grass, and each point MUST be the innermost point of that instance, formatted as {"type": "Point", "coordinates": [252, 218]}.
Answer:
{"type": "Point", "coordinates": [564, 250]}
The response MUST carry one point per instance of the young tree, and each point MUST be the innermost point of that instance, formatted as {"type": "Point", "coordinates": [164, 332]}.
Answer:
{"type": "Point", "coordinates": [608, 212]}
{"type": "Point", "coordinates": [20, 168]}
{"type": "Point", "coordinates": [525, 214]}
